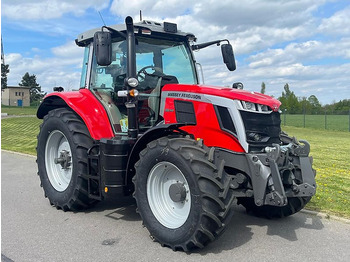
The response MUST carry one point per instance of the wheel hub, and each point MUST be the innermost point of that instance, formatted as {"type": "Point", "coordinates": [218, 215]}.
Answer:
{"type": "Point", "coordinates": [168, 195]}
{"type": "Point", "coordinates": [64, 159]}
{"type": "Point", "coordinates": [177, 192]}
{"type": "Point", "coordinates": [58, 160]}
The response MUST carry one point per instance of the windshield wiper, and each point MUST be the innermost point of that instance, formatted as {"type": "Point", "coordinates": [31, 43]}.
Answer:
{"type": "Point", "coordinates": [114, 31]}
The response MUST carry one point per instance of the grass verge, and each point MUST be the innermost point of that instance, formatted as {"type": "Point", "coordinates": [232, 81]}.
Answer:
{"type": "Point", "coordinates": [325, 122]}
{"type": "Point", "coordinates": [330, 150]}
{"type": "Point", "coordinates": [19, 111]}
{"type": "Point", "coordinates": [19, 134]}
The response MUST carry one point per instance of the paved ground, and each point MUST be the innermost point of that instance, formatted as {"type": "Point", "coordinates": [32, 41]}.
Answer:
{"type": "Point", "coordinates": [32, 230]}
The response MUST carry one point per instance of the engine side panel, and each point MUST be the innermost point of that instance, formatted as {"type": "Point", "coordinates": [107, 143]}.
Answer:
{"type": "Point", "coordinates": [206, 127]}
{"type": "Point", "coordinates": [224, 92]}
{"type": "Point", "coordinates": [86, 105]}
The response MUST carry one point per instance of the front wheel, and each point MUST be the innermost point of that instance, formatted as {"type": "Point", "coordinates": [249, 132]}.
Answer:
{"type": "Point", "coordinates": [182, 193]}
{"type": "Point", "coordinates": [62, 148]}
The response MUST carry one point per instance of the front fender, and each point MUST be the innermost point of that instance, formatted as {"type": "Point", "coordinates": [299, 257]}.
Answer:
{"type": "Point", "coordinates": [86, 105]}
{"type": "Point", "coordinates": [154, 133]}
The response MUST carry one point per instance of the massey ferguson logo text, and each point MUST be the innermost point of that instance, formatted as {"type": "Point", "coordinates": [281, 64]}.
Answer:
{"type": "Point", "coordinates": [185, 95]}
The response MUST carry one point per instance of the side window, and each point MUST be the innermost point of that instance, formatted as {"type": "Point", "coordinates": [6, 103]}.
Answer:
{"type": "Point", "coordinates": [84, 68]}
{"type": "Point", "coordinates": [176, 63]}
{"type": "Point", "coordinates": [112, 76]}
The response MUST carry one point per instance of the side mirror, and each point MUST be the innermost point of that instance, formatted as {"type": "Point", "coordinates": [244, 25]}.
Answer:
{"type": "Point", "coordinates": [228, 56]}
{"type": "Point", "coordinates": [58, 89]}
{"type": "Point", "coordinates": [103, 48]}
{"type": "Point", "coordinates": [237, 85]}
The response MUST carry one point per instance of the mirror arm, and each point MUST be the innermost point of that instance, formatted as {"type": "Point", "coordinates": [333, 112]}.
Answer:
{"type": "Point", "coordinates": [204, 45]}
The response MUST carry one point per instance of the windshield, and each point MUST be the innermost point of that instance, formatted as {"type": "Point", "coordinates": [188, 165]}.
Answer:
{"type": "Point", "coordinates": [153, 56]}
{"type": "Point", "coordinates": [158, 62]}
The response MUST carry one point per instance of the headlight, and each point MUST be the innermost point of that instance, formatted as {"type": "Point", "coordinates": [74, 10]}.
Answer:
{"type": "Point", "coordinates": [133, 82]}
{"type": "Point", "coordinates": [249, 106]}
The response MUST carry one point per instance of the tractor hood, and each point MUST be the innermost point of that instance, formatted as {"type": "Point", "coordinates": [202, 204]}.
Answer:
{"type": "Point", "coordinates": [181, 90]}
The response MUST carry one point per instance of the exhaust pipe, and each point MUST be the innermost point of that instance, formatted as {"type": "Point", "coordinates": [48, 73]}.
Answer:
{"type": "Point", "coordinates": [131, 53]}
{"type": "Point", "coordinates": [131, 103]}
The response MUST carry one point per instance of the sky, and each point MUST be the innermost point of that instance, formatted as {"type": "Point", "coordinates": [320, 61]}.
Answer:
{"type": "Point", "coordinates": [305, 43]}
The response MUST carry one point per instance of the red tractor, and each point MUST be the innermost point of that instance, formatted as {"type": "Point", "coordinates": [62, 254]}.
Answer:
{"type": "Point", "coordinates": [142, 124]}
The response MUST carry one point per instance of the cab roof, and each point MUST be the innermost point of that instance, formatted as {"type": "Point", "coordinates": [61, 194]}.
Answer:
{"type": "Point", "coordinates": [144, 27]}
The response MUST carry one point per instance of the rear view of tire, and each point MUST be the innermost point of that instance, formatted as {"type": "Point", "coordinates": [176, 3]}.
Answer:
{"type": "Point", "coordinates": [182, 193]}
{"type": "Point", "coordinates": [294, 205]}
{"type": "Point", "coordinates": [63, 142]}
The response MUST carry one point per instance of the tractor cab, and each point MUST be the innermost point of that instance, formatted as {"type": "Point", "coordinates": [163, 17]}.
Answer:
{"type": "Point", "coordinates": [158, 62]}
{"type": "Point", "coordinates": [163, 55]}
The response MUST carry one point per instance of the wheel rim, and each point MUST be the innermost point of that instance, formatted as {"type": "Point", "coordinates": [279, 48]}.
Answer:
{"type": "Point", "coordinates": [58, 160]}
{"type": "Point", "coordinates": [171, 210]}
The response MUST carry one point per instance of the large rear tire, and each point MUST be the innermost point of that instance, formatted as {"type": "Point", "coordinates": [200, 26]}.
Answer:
{"type": "Point", "coordinates": [182, 193]}
{"type": "Point", "coordinates": [62, 148]}
{"type": "Point", "coordinates": [295, 204]}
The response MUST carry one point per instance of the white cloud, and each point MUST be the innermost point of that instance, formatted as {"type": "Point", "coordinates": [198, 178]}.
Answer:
{"type": "Point", "coordinates": [68, 50]}
{"type": "Point", "coordinates": [337, 24]}
{"type": "Point", "coordinates": [276, 41]}
{"type": "Point", "coordinates": [47, 9]}
{"type": "Point", "coordinates": [149, 8]}
{"type": "Point", "coordinates": [311, 51]}
{"type": "Point", "coordinates": [61, 70]}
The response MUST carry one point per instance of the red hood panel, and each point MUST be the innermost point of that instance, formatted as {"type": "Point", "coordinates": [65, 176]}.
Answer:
{"type": "Point", "coordinates": [227, 92]}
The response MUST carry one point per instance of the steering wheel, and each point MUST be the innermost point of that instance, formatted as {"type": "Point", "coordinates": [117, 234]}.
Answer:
{"type": "Point", "coordinates": [142, 72]}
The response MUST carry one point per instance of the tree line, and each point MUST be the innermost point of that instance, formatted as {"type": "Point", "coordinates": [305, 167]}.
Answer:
{"type": "Point", "coordinates": [36, 95]}
{"type": "Point", "coordinates": [291, 104]}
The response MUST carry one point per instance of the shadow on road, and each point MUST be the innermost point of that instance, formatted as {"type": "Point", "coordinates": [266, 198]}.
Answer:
{"type": "Point", "coordinates": [120, 209]}
{"type": "Point", "coordinates": [239, 231]}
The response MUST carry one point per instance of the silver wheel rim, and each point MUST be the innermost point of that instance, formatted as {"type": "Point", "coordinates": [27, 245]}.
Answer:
{"type": "Point", "coordinates": [171, 214]}
{"type": "Point", "coordinates": [58, 174]}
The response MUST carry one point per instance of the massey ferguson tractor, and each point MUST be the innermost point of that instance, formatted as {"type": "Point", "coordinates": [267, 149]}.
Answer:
{"type": "Point", "coordinates": [142, 125]}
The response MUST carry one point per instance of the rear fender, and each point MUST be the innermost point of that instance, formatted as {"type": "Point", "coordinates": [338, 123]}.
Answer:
{"type": "Point", "coordinates": [86, 105]}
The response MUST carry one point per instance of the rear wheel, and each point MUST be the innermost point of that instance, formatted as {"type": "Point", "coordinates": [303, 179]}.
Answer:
{"type": "Point", "coordinates": [182, 193]}
{"type": "Point", "coordinates": [63, 142]}
{"type": "Point", "coordinates": [295, 204]}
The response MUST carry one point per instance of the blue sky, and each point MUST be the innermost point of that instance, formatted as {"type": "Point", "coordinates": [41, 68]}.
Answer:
{"type": "Point", "coordinates": [303, 43]}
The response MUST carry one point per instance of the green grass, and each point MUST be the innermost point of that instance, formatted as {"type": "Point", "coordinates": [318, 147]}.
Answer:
{"type": "Point", "coordinates": [330, 149]}
{"type": "Point", "coordinates": [331, 152]}
{"type": "Point", "coordinates": [329, 122]}
{"type": "Point", "coordinates": [19, 134]}
{"type": "Point", "coordinates": [19, 111]}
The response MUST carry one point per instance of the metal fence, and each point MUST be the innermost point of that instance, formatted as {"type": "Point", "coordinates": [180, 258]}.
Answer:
{"type": "Point", "coordinates": [326, 121]}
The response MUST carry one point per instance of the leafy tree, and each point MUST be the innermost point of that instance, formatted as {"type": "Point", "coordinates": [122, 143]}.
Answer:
{"type": "Point", "coordinates": [263, 87]}
{"type": "Point", "coordinates": [341, 107]}
{"type": "Point", "coordinates": [4, 71]}
{"type": "Point", "coordinates": [289, 101]}
{"type": "Point", "coordinates": [314, 104]}
{"type": "Point", "coordinates": [305, 105]}
{"type": "Point", "coordinates": [35, 89]}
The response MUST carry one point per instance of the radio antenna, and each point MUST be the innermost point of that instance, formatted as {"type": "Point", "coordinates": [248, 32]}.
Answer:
{"type": "Point", "coordinates": [101, 18]}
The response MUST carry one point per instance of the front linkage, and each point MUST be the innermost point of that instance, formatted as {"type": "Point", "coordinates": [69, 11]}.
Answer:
{"type": "Point", "coordinates": [274, 176]}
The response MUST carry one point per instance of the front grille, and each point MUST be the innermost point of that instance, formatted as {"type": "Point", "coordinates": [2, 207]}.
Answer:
{"type": "Point", "coordinates": [261, 129]}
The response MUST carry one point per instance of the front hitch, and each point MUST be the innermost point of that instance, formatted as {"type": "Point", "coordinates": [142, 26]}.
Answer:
{"type": "Point", "coordinates": [290, 174]}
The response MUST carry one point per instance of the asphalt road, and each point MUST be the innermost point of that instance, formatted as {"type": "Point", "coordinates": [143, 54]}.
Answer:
{"type": "Point", "coordinates": [32, 230]}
